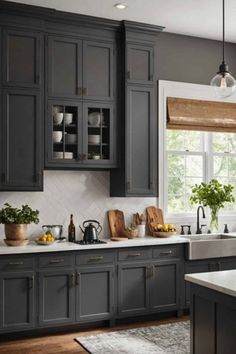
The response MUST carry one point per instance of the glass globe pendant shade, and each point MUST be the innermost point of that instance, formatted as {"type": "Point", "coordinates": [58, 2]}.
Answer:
{"type": "Point", "coordinates": [223, 82]}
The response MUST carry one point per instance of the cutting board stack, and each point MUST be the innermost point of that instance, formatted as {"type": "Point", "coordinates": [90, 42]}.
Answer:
{"type": "Point", "coordinates": [116, 222]}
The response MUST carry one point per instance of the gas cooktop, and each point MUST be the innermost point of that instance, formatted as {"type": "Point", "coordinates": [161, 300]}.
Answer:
{"type": "Point", "coordinates": [93, 242]}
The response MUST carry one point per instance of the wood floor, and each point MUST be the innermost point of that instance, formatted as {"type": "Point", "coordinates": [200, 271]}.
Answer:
{"type": "Point", "coordinates": [65, 343]}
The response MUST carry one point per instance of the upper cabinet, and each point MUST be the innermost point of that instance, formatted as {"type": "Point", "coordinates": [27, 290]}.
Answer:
{"type": "Point", "coordinates": [80, 125]}
{"type": "Point", "coordinates": [137, 174]}
{"type": "Point", "coordinates": [139, 63]}
{"type": "Point", "coordinates": [21, 58]}
{"type": "Point", "coordinates": [21, 117]}
{"type": "Point", "coordinates": [80, 69]}
{"type": "Point", "coordinates": [64, 67]}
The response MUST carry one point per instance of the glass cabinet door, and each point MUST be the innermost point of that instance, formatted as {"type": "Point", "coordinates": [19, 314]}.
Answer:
{"type": "Point", "coordinates": [66, 132]}
{"type": "Point", "coordinates": [98, 139]}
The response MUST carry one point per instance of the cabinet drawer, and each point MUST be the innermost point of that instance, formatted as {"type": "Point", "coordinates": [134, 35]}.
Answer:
{"type": "Point", "coordinates": [16, 263]}
{"type": "Point", "coordinates": [95, 258]}
{"type": "Point", "coordinates": [56, 260]}
{"type": "Point", "coordinates": [134, 254]}
{"type": "Point", "coordinates": [167, 252]}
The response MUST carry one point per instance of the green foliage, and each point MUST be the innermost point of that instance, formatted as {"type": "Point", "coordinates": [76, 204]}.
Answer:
{"type": "Point", "coordinates": [24, 215]}
{"type": "Point", "coordinates": [212, 194]}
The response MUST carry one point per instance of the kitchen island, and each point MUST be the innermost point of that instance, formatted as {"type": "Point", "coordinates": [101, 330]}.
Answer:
{"type": "Point", "coordinates": [213, 312]}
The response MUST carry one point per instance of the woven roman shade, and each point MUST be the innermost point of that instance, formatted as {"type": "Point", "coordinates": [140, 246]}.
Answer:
{"type": "Point", "coordinates": [188, 114]}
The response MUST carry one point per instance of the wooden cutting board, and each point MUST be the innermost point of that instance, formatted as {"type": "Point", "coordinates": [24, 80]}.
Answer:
{"type": "Point", "coordinates": [154, 215]}
{"type": "Point", "coordinates": [116, 222]}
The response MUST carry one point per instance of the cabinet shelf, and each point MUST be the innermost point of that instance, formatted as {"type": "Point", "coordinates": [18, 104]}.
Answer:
{"type": "Point", "coordinates": [97, 126]}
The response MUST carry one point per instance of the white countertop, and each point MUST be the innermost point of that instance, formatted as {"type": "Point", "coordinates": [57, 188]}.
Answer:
{"type": "Point", "coordinates": [32, 247]}
{"type": "Point", "coordinates": [222, 281]}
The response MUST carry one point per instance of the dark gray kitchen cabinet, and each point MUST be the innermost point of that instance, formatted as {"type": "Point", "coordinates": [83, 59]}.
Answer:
{"type": "Point", "coordinates": [165, 286]}
{"type": "Point", "coordinates": [74, 149]}
{"type": "Point", "coordinates": [64, 67]}
{"type": "Point", "coordinates": [136, 175]}
{"type": "Point", "coordinates": [17, 311]}
{"type": "Point", "coordinates": [98, 62]}
{"type": "Point", "coordinates": [22, 58]}
{"type": "Point", "coordinates": [140, 63]}
{"type": "Point", "coordinates": [21, 140]}
{"type": "Point", "coordinates": [56, 296]}
{"type": "Point", "coordinates": [95, 293]}
{"type": "Point", "coordinates": [78, 68]}
{"type": "Point", "coordinates": [140, 142]}
{"type": "Point", "coordinates": [133, 289]}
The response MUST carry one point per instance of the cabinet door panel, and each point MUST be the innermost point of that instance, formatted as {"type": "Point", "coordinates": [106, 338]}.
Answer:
{"type": "Point", "coordinates": [95, 293]}
{"type": "Point", "coordinates": [64, 67]}
{"type": "Point", "coordinates": [164, 286]}
{"type": "Point", "coordinates": [16, 300]}
{"type": "Point", "coordinates": [139, 142]}
{"type": "Point", "coordinates": [97, 70]}
{"type": "Point", "coordinates": [22, 165]}
{"type": "Point", "coordinates": [132, 289]}
{"type": "Point", "coordinates": [21, 58]}
{"type": "Point", "coordinates": [56, 297]}
{"type": "Point", "coordinates": [139, 63]}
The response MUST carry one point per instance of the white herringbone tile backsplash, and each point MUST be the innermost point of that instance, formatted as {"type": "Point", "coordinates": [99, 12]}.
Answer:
{"type": "Point", "coordinates": [83, 194]}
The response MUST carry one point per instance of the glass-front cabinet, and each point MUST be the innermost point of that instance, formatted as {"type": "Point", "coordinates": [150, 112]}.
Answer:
{"type": "Point", "coordinates": [80, 134]}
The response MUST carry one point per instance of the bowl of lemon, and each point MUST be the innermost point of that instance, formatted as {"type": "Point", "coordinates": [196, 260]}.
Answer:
{"type": "Point", "coordinates": [165, 230]}
{"type": "Point", "coordinates": [45, 239]}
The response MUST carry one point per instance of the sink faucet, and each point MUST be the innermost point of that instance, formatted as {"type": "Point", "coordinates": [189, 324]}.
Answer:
{"type": "Point", "coordinates": [199, 230]}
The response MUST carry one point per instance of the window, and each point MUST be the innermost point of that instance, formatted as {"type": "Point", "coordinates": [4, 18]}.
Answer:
{"type": "Point", "coordinates": [193, 157]}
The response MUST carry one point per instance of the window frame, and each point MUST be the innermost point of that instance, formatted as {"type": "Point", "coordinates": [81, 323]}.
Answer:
{"type": "Point", "coordinates": [192, 91]}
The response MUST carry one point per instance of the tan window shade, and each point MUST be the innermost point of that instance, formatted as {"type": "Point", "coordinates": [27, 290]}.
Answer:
{"type": "Point", "coordinates": [188, 114]}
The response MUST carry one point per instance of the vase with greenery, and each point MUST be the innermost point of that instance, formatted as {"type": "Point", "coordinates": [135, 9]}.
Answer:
{"type": "Point", "coordinates": [16, 220]}
{"type": "Point", "coordinates": [213, 195]}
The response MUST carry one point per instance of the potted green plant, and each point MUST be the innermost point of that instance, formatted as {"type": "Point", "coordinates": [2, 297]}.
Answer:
{"type": "Point", "coordinates": [15, 221]}
{"type": "Point", "coordinates": [213, 195]}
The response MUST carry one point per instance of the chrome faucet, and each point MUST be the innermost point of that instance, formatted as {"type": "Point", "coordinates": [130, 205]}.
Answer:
{"type": "Point", "coordinates": [199, 229]}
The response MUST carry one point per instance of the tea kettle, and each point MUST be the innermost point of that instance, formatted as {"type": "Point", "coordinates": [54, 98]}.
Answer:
{"type": "Point", "coordinates": [91, 231]}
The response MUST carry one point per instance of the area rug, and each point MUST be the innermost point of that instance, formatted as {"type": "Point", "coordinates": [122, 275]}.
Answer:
{"type": "Point", "coordinates": [173, 338]}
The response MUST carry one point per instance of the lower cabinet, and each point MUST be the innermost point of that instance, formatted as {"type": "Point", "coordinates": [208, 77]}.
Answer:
{"type": "Point", "coordinates": [145, 288]}
{"type": "Point", "coordinates": [207, 265]}
{"type": "Point", "coordinates": [56, 297]}
{"type": "Point", "coordinates": [95, 293]}
{"type": "Point", "coordinates": [165, 286]}
{"type": "Point", "coordinates": [133, 288]}
{"type": "Point", "coordinates": [17, 301]}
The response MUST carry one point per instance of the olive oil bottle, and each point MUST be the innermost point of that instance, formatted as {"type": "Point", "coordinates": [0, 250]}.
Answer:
{"type": "Point", "coordinates": [71, 230]}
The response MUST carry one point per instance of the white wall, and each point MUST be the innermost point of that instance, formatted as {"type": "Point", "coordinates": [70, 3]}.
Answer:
{"type": "Point", "coordinates": [84, 194]}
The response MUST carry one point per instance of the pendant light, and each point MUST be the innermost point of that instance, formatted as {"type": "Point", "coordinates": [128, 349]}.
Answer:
{"type": "Point", "coordinates": [223, 82]}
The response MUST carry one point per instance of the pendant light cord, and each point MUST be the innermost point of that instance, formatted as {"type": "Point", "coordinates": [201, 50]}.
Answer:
{"type": "Point", "coordinates": [223, 12]}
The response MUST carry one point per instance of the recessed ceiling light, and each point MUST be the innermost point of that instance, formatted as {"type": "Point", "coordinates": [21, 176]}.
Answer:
{"type": "Point", "coordinates": [121, 6]}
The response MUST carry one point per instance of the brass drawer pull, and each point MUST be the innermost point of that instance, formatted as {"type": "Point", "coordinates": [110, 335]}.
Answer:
{"type": "Point", "coordinates": [134, 255]}
{"type": "Point", "coordinates": [166, 253]}
{"type": "Point", "coordinates": [60, 260]}
{"type": "Point", "coordinates": [16, 263]}
{"type": "Point", "coordinates": [72, 276]}
{"type": "Point", "coordinates": [97, 258]}
{"type": "Point", "coordinates": [77, 279]}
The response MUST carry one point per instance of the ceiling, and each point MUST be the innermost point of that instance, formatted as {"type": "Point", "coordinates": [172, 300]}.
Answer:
{"type": "Point", "coordinates": [201, 18]}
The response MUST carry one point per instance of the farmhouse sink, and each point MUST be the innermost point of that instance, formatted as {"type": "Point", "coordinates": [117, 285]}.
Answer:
{"type": "Point", "coordinates": [210, 246]}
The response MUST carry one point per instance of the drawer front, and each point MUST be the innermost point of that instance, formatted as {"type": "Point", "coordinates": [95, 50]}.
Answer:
{"type": "Point", "coordinates": [56, 260]}
{"type": "Point", "coordinates": [167, 252]}
{"type": "Point", "coordinates": [95, 258]}
{"type": "Point", "coordinates": [134, 254]}
{"type": "Point", "coordinates": [16, 263]}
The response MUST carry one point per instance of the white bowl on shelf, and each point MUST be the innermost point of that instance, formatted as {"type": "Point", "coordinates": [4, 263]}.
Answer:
{"type": "Point", "coordinates": [69, 155]}
{"type": "Point", "coordinates": [94, 139]}
{"type": "Point", "coordinates": [70, 138]}
{"type": "Point", "coordinates": [68, 117]}
{"type": "Point", "coordinates": [94, 118]}
{"type": "Point", "coordinates": [58, 154]}
{"type": "Point", "coordinates": [56, 136]}
{"type": "Point", "coordinates": [58, 118]}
